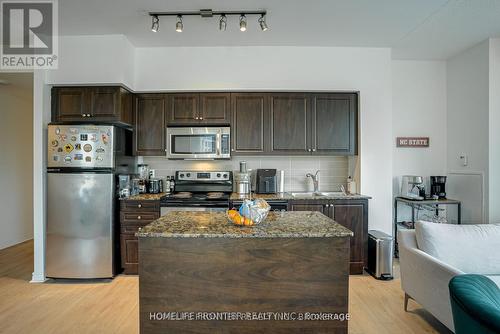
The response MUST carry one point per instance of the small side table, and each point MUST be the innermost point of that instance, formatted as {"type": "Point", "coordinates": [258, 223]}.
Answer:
{"type": "Point", "coordinates": [414, 204]}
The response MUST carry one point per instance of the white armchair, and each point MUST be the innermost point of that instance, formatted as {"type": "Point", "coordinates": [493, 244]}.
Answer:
{"type": "Point", "coordinates": [433, 253]}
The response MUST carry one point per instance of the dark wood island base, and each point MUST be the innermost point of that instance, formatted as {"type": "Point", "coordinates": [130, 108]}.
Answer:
{"type": "Point", "coordinates": [244, 277]}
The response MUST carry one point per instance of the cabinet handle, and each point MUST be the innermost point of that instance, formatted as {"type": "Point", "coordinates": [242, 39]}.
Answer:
{"type": "Point", "coordinates": [139, 217]}
{"type": "Point", "coordinates": [139, 205]}
{"type": "Point", "coordinates": [196, 117]}
{"type": "Point", "coordinates": [314, 150]}
{"type": "Point", "coordinates": [201, 118]}
{"type": "Point", "coordinates": [232, 150]}
{"type": "Point", "coordinates": [84, 115]}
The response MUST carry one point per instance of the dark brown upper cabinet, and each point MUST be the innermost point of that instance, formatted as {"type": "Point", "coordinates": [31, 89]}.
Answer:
{"type": "Point", "coordinates": [215, 108]}
{"type": "Point", "coordinates": [150, 125]}
{"type": "Point", "coordinates": [290, 118]}
{"type": "Point", "coordinates": [183, 108]}
{"type": "Point", "coordinates": [203, 108]}
{"type": "Point", "coordinates": [334, 124]}
{"type": "Point", "coordinates": [80, 104]}
{"type": "Point", "coordinates": [249, 123]}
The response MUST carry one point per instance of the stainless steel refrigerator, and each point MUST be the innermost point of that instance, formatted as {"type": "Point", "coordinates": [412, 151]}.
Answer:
{"type": "Point", "coordinates": [83, 164]}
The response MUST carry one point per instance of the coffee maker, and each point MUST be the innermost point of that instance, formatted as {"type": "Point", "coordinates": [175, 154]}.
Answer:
{"type": "Point", "coordinates": [266, 181]}
{"type": "Point", "coordinates": [438, 186]}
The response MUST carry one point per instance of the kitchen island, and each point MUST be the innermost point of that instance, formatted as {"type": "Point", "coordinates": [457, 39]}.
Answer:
{"type": "Point", "coordinates": [198, 273]}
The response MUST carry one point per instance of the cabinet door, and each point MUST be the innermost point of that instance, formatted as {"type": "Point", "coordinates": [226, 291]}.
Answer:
{"type": "Point", "coordinates": [353, 217]}
{"type": "Point", "coordinates": [289, 124]}
{"type": "Point", "coordinates": [149, 134]}
{"type": "Point", "coordinates": [249, 123]}
{"type": "Point", "coordinates": [215, 108]}
{"type": "Point", "coordinates": [333, 124]}
{"type": "Point", "coordinates": [308, 206]}
{"type": "Point", "coordinates": [104, 103]}
{"type": "Point", "coordinates": [183, 109]}
{"type": "Point", "coordinates": [129, 253]}
{"type": "Point", "coordinates": [69, 103]}
{"type": "Point", "coordinates": [127, 106]}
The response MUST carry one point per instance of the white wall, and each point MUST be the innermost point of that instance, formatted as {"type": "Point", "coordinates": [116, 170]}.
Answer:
{"type": "Point", "coordinates": [16, 156]}
{"type": "Point", "coordinates": [367, 70]}
{"type": "Point", "coordinates": [105, 59]}
{"type": "Point", "coordinates": [467, 123]}
{"type": "Point", "coordinates": [494, 132]}
{"type": "Point", "coordinates": [418, 110]}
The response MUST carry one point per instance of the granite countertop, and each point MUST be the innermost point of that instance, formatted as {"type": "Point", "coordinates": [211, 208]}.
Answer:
{"type": "Point", "coordinates": [291, 224]}
{"type": "Point", "coordinates": [144, 197]}
{"type": "Point", "coordinates": [288, 196]}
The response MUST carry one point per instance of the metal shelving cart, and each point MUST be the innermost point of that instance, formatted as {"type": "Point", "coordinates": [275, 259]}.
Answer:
{"type": "Point", "coordinates": [416, 205]}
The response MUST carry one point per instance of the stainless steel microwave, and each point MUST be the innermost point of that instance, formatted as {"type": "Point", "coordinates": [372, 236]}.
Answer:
{"type": "Point", "coordinates": [198, 143]}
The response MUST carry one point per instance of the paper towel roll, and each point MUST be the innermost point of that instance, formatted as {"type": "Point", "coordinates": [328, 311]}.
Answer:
{"type": "Point", "coordinates": [281, 188]}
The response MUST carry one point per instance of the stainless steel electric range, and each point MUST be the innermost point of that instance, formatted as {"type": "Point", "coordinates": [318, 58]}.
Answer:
{"type": "Point", "coordinates": [199, 191]}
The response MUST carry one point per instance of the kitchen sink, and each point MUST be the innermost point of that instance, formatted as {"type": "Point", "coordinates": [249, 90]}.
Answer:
{"type": "Point", "coordinates": [332, 193]}
{"type": "Point", "coordinates": [304, 194]}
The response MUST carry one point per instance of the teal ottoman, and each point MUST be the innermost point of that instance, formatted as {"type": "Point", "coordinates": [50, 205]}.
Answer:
{"type": "Point", "coordinates": [475, 304]}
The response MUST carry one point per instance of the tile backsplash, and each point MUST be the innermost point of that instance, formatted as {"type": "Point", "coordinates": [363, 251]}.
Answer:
{"type": "Point", "coordinates": [333, 170]}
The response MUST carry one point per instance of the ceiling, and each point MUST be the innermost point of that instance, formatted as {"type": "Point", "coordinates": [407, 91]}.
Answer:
{"type": "Point", "coordinates": [415, 29]}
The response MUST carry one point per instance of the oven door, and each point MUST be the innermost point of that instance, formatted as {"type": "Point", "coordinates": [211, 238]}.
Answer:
{"type": "Point", "coordinates": [200, 143]}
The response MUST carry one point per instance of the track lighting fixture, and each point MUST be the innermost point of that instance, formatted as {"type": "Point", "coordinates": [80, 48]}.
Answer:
{"type": "Point", "coordinates": [179, 25]}
{"type": "Point", "coordinates": [222, 22]}
{"type": "Point", "coordinates": [209, 13]}
{"type": "Point", "coordinates": [262, 22]}
{"type": "Point", "coordinates": [243, 22]}
{"type": "Point", "coordinates": [156, 23]}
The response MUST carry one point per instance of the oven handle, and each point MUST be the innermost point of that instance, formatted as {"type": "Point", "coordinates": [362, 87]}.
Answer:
{"type": "Point", "coordinates": [217, 144]}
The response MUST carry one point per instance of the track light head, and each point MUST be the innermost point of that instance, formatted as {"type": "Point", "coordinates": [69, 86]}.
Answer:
{"type": "Point", "coordinates": [155, 25]}
{"type": "Point", "coordinates": [262, 22]}
{"type": "Point", "coordinates": [179, 26]}
{"type": "Point", "coordinates": [243, 22]}
{"type": "Point", "coordinates": [222, 22]}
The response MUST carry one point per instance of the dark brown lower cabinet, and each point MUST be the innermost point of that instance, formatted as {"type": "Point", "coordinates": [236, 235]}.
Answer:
{"type": "Point", "coordinates": [352, 214]}
{"type": "Point", "coordinates": [129, 253]}
{"type": "Point", "coordinates": [134, 215]}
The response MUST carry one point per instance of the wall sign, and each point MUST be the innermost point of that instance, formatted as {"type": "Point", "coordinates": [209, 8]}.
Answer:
{"type": "Point", "coordinates": [412, 141]}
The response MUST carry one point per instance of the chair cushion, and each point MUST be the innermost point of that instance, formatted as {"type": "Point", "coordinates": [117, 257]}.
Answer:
{"type": "Point", "coordinates": [473, 249]}
{"type": "Point", "coordinates": [475, 301]}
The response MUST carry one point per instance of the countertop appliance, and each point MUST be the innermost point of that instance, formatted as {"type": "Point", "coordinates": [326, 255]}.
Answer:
{"type": "Point", "coordinates": [380, 250]}
{"type": "Point", "coordinates": [242, 180]}
{"type": "Point", "coordinates": [266, 181]}
{"type": "Point", "coordinates": [199, 191]}
{"type": "Point", "coordinates": [412, 187]}
{"type": "Point", "coordinates": [438, 186]}
{"type": "Point", "coordinates": [82, 175]}
{"type": "Point", "coordinates": [198, 143]}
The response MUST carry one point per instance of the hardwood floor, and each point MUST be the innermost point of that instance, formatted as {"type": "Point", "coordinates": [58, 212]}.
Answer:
{"type": "Point", "coordinates": [112, 306]}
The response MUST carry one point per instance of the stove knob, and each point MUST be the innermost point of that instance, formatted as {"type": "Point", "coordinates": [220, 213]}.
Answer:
{"type": "Point", "coordinates": [188, 174]}
{"type": "Point", "coordinates": [218, 174]}
{"type": "Point", "coordinates": [182, 175]}
{"type": "Point", "coordinates": [225, 175]}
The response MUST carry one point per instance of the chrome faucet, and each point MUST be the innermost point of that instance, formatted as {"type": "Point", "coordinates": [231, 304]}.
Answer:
{"type": "Point", "coordinates": [315, 180]}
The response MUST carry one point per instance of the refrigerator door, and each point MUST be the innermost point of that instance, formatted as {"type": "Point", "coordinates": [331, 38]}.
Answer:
{"type": "Point", "coordinates": [83, 146]}
{"type": "Point", "coordinates": [80, 211]}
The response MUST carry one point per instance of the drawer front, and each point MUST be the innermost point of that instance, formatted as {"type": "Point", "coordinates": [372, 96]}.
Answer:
{"type": "Point", "coordinates": [135, 206]}
{"type": "Point", "coordinates": [131, 229]}
{"type": "Point", "coordinates": [138, 217]}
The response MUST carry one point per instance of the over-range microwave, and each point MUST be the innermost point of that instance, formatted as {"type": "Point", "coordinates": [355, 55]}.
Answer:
{"type": "Point", "coordinates": [198, 143]}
